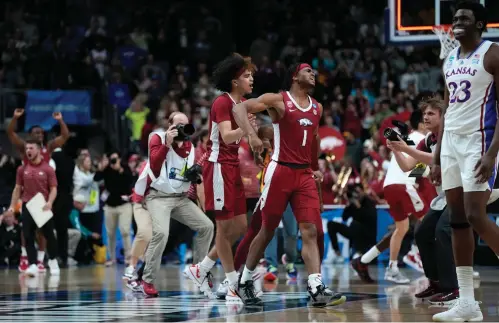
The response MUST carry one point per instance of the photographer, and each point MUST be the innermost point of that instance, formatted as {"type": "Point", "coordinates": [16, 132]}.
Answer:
{"type": "Point", "coordinates": [433, 236]}
{"type": "Point", "coordinates": [118, 183]}
{"type": "Point", "coordinates": [165, 183]}
{"type": "Point", "coordinates": [360, 232]}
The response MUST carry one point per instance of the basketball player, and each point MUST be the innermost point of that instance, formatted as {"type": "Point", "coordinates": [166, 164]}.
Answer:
{"type": "Point", "coordinates": [289, 178]}
{"type": "Point", "coordinates": [48, 147]}
{"type": "Point", "coordinates": [466, 155]}
{"type": "Point", "coordinates": [223, 186]}
{"type": "Point", "coordinates": [404, 200]}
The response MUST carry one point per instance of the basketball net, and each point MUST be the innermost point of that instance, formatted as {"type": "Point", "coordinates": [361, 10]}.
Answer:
{"type": "Point", "coordinates": [447, 40]}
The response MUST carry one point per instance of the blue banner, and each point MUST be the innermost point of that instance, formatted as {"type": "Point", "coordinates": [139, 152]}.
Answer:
{"type": "Point", "coordinates": [119, 95]}
{"type": "Point", "coordinates": [75, 107]}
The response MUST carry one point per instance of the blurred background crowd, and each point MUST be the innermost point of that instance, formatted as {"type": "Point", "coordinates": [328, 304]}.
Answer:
{"type": "Point", "coordinates": [142, 61]}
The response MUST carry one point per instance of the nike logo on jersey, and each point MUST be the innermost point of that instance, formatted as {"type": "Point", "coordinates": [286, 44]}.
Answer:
{"type": "Point", "coordinates": [305, 122]}
{"type": "Point", "coordinates": [291, 110]}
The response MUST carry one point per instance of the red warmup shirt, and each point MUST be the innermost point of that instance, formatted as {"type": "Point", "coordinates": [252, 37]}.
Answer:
{"type": "Point", "coordinates": [157, 156]}
{"type": "Point", "coordinates": [34, 179]}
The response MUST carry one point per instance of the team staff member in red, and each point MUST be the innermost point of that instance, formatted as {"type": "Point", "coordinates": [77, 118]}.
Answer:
{"type": "Point", "coordinates": [48, 147]}
{"type": "Point", "coordinates": [223, 186]}
{"type": "Point", "coordinates": [289, 178]}
{"type": "Point", "coordinates": [33, 177]}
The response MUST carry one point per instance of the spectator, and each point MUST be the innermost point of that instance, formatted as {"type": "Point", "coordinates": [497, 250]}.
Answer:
{"type": "Point", "coordinates": [137, 114]}
{"type": "Point", "coordinates": [118, 210]}
{"type": "Point", "coordinates": [10, 240]}
{"type": "Point", "coordinates": [78, 231]}
{"type": "Point", "coordinates": [86, 186]}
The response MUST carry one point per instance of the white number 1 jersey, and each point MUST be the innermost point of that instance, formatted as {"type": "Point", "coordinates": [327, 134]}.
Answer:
{"type": "Point", "coordinates": [472, 93]}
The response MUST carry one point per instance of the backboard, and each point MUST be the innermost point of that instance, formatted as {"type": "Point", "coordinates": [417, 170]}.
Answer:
{"type": "Point", "coordinates": [411, 21]}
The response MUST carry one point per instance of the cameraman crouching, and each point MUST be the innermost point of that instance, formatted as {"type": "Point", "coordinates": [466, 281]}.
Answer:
{"type": "Point", "coordinates": [362, 210]}
{"type": "Point", "coordinates": [168, 176]}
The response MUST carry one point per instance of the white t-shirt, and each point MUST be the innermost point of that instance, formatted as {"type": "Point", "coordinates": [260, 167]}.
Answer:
{"type": "Point", "coordinates": [395, 175]}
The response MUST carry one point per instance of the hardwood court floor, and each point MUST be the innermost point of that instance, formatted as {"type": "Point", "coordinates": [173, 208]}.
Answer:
{"type": "Point", "coordinates": [97, 294]}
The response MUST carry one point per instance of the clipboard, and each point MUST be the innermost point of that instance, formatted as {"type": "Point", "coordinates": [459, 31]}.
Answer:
{"type": "Point", "coordinates": [35, 208]}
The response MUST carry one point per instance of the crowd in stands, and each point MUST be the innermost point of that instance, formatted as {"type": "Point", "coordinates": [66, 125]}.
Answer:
{"type": "Point", "coordinates": [163, 53]}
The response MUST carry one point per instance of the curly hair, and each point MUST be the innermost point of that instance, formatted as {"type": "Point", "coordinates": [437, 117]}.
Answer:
{"type": "Point", "coordinates": [229, 69]}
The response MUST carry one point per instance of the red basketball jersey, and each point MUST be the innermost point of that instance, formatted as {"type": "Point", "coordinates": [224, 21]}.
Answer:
{"type": "Point", "coordinates": [294, 132]}
{"type": "Point", "coordinates": [218, 150]}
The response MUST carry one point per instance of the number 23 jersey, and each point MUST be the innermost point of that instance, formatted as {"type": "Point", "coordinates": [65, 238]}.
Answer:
{"type": "Point", "coordinates": [295, 131]}
{"type": "Point", "coordinates": [472, 93]}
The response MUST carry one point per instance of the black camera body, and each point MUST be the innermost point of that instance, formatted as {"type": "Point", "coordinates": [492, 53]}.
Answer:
{"type": "Point", "coordinates": [403, 132]}
{"type": "Point", "coordinates": [185, 131]}
{"type": "Point", "coordinates": [193, 174]}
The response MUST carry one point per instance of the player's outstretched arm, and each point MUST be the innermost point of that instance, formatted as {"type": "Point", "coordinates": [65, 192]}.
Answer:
{"type": "Point", "coordinates": [60, 140]}
{"type": "Point", "coordinates": [11, 130]}
{"type": "Point", "coordinates": [263, 102]}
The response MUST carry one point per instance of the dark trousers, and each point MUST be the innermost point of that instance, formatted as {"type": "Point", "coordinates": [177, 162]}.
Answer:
{"type": "Point", "coordinates": [433, 237]}
{"type": "Point", "coordinates": [92, 221]}
{"type": "Point", "coordinates": [361, 237]}
{"type": "Point", "coordinates": [63, 205]}
{"type": "Point", "coordinates": [29, 230]}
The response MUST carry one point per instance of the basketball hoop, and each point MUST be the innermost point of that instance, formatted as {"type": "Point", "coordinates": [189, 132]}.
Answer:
{"type": "Point", "coordinates": [447, 40]}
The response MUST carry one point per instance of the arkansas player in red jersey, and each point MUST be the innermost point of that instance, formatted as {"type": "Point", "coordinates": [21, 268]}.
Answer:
{"type": "Point", "coordinates": [289, 178]}
{"type": "Point", "coordinates": [223, 186]}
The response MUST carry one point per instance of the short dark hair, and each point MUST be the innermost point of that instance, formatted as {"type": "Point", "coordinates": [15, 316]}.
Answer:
{"type": "Point", "coordinates": [416, 119]}
{"type": "Point", "coordinates": [34, 127]}
{"type": "Point", "coordinates": [288, 78]}
{"type": "Point", "coordinates": [33, 141]}
{"type": "Point", "coordinates": [478, 10]}
{"type": "Point", "coordinates": [229, 69]}
{"type": "Point", "coordinates": [432, 101]}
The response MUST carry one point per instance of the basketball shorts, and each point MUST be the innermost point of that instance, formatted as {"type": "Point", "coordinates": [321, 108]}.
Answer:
{"type": "Point", "coordinates": [404, 200]}
{"type": "Point", "coordinates": [283, 185]}
{"type": "Point", "coordinates": [459, 156]}
{"type": "Point", "coordinates": [224, 190]}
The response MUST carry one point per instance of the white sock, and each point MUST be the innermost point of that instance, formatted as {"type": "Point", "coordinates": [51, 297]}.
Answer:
{"type": "Point", "coordinates": [314, 280]}
{"type": "Point", "coordinates": [23, 252]}
{"type": "Point", "coordinates": [393, 264]}
{"type": "Point", "coordinates": [465, 282]}
{"type": "Point", "coordinates": [414, 248]}
{"type": "Point", "coordinates": [41, 256]}
{"type": "Point", "coordinates": [370, 255]}
{"type": "Point", "coordinates": [232, 277]}
{"type": "Point", "coordinates": [247, 275]}
{"type": "Point", "coordinates": [207, 264]}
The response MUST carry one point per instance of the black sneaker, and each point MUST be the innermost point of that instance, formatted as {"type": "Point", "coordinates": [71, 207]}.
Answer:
{"type": "Point", "coordinates": [445, 299]}
{"type": "Point", "coordinates": [325, 297]}
{"type": "Point", "coordinates": [247, 293]}
{"type": "Point", "coordinates": [430, 292]}
{"type": "Point", "coordinates": [362, 270]}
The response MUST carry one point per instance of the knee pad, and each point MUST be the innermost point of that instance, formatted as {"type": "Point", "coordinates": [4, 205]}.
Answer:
{"type": "Point", "coordinates": [459, 225]}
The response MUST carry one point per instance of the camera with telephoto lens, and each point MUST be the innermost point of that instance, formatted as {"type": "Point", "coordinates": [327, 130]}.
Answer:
{"type": "Point", "coordinates": [403, 132]}
{"type": "Point", "coordinates": [185, 131]}
{"type": "Point", "coordinates": [193, 174]}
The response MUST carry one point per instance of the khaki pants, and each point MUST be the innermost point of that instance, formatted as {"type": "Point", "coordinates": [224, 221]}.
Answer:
{"type": "Point", "coordinates": [74, 237]}
{"type": "Point", "coordinates": [162, 207]}
{"type": "Point", "coordinates": [114, 217]}
{"type": "Point", "coordinates": [144, 230]}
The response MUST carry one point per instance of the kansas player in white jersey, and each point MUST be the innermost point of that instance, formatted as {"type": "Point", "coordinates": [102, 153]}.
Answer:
{"type": "Point", "coordinates": [466, 153]}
